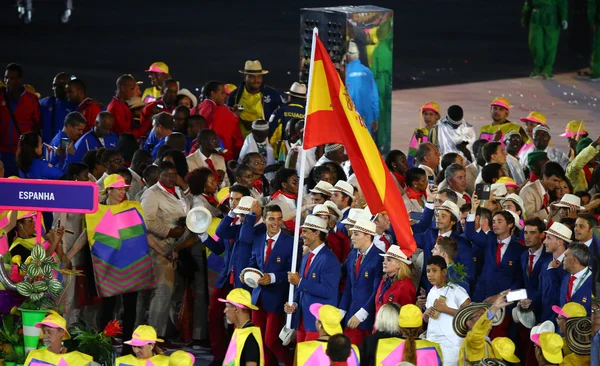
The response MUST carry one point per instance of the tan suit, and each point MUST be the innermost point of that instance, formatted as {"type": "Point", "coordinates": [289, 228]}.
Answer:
{"type": "Point", "coordinates": [196, 161]}
{"type": "Point", "coordinates": [532, 195]}
{"type": "Point", "coordinates": [162, 210]}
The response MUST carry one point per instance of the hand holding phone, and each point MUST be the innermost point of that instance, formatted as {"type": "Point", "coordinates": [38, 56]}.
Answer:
{"type": "Point", "coordinates": [516, 295]}
{"type": "Point", "coordinates": [483, 191]}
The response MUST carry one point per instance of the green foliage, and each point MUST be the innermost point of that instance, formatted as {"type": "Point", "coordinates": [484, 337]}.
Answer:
{"type": "Point", "coordinates": [38, 285]}
{"type": "Point", "coordinates": [460, 273]}
{"type": "Point", "coordinates": [95, 344]}
{"type": "Point", "coordinates": [10, 330]}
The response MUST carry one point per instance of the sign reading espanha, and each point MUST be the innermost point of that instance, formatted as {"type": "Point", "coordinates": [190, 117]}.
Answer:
{"type": "Point", "coordinates": [48, 195]}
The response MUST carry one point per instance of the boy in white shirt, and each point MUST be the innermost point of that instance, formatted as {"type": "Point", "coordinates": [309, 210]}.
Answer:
{"type": "Point", "coordinates": [443, 301]}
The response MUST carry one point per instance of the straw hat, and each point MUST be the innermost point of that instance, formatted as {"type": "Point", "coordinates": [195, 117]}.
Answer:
{"type": "Point", "coordinates": [579, 335]}
{"type": "Point", "coordinates": [240, 298]}
{"type": "Point", "coordinates": [452, 208]}
{"type": "Point", "coordinates": [198, 220]}
{"type": "Point", "coordinates": [253, 68]}
{"type": "Point", "coordinates": [245, 206]}
{"type": "Point", "coordinates": [459, 323]}
{"type": "Point", "coordinates": [516, 199]}
{"type": "Point", "coordinates": [297, 90]}
{"type": "Point", "coordinates": [315, 223]}
{"type": "Point", "coordinates": [251, 276]}
{"type": "Point", "coordinates": [143, 335]}
{"type": "Point", "coordinates": [329, 316]}
{"type": "Point", "coordinates": [535, 117]}
{"type": "Point", "coordinates": [395, 252]}
{"type": "Point", "coordinates": [354, 215]}
{"type": "Point", "coordinates": [505, 348]}
{"type": "Point", "coordinates": [187, 93]}
{"type": "Point", "coordinates": [523, 316]}
{"type": "Point", "coordinates": [491, 362]}
{"type": "Point", "coordinates": [500, 102]}
{"type": "Point", "coordinates": [365, 226]}
{"type": "Point", "coordinates": [570, 200]}
{"type": "Point", "coordinates": [517, 220]}
{"type": "Point", "coordinates": [323, 188]}
{"type": "Point", "coordinates": [322, 210]}
{"type": "Point", "coordinates": [135, 102]}
{"type": "Point", "coordinates": [560, 231]}
{"type": "Point", "coordinates": [333, 206]}
{"type": "Point", "coordinates": [344, 187]}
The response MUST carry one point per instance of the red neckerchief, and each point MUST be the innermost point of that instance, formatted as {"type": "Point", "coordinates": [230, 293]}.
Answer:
{"type": "Point", "coordinates": [258, 184]}
{"type": "Point", "coordinates": [170, 190]}
{"type": "Point", "coordinates": [280, 192]}
{"type": "Point", "coordinates": [412, 194]}
{"type": "Point", "coordinates": [211, 199]}
{"type": "Point", "coordinates": [193, 148]}
{"type": "Point", "coordinates": [400, 178]}
{"type": "Point", "coordinates": [533, 177]}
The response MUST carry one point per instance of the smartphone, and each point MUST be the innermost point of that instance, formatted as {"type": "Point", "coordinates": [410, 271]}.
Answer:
{"type": "Point", "coordinates": [415, 216]}
{"type": "Point", "coordinates": [483, 191]}
{"type": "Point", "coordinates": [64, 143]}
{"type": "Point", "coordinates": [516, 295]}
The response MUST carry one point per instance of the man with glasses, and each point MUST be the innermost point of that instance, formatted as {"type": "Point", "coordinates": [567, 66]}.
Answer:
{"type": "Point", "coordinates": [112, 162]}
{"type": "Point", "coordinates": [99, 136]}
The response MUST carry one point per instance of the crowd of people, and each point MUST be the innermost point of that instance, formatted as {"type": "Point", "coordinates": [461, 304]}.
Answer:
{"type": "Point", "coordinates": [504, 225]}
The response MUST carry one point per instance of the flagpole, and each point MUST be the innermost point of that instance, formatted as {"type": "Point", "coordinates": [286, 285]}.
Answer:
{"type": "Point", "coordinates": [288, 320]}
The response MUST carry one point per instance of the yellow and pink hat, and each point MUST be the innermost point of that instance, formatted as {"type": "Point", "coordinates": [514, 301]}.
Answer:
{"type": "Point", "coordinates": [115, 181]}
{"type": "Point", "coordinates": [575, 128]}
{"type": "Point", "coordinates": [535, 117]}
{"type": "Point", "coordinates": [240, 298]}
{"type": "Point", "coordinates": [430, 106]}
{"type": "Point", "coordinates": [159, 67]}
{"type": "Point", "coordinates": [54, 320]}
{"type": "Point", "coordinates": [500, 102]}
{"type": "Point", "coordinates": [143, 335]}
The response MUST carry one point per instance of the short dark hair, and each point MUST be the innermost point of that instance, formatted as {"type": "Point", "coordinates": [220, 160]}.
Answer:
{"type": "Point", "coordinates": [508, 217]}
{"type": "Point", "coordinates": [553, 169]}
{"type": "Point", "coordinates": [272, 208]}
{"type": "Point", "coordinates": [477, 151]}
{"type": "Point", "coordinates": [75, 118]}
{"type": "Point", "coordinates": [169, 81]}
{"type": "Point", "coordinates": [413, 175]}
{"type": "Point", "coordinates": [238, 188]}
{"type": "Point", "coordinates": [484, 213]}
{"type": "Point", "coordinates": [196, 179]}
{"type": "Point", "coordinates": [125, 171]}
{"type": "Point", "coordinates": [150, 171]}
{"type": "Point", "coordinates": [164, 119]}
{"type": "Point", "coordinates": [490, 149]}
{"type": "Point", "coordinates": [108, 155]}
{"type": "Point", "coordinates": [164, 166]}
{"type": "Point", "coordinates": [318, 171]}
{"type": "Point", "coordinates": [127, 145]}
{"type": "Point", "coordinates": [450, 194]}
{"type": "Point", "coordinates": [448, 245]}
{"type": "Point", "coordinates": [490, 172]}
{"type": "Point", "coordinates": [16, 68]}
{"type": "Point", "coordinates": [195, 118]}
{"type": "Point", "coordinates": [338, 348]}
{"type": "Point", "coordinates": [205, 134]}
{"type": "Point", "coordinates": [437, 260]}
{"type": "Point", "coordinates": [78, 84]}
{"type": "Point", "coordinates": [282, 176]}
{"type": "Point", "coordinates": [537, 222]}
{"type": "Point", "coordinates": [448, 159]}
{"type": "Point", "coordinates": [210, 87]}
{"type": "Point", "coordinates": [74, 169]}
{"type": "Point", "coordinates": [92, 158]}
{"type": "Point", "coordinates": [591, 219]}
{"type": "Point", "coordinates": [391, 157]}
{"type": "Point", "coordinates": [123, 79]}
{"type": "Point", "coordinates": [582, 194]}
{"type": "Point", "coordinates": [182, 108]}
{"type": "Point", "coordinates": [240, 169]}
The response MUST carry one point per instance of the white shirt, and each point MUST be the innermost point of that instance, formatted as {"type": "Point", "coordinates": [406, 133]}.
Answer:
{"type": "Point", "coordinates": [504, 247]}
{"type": "Point", "coordinates": [440, 329]}
{"type": "Point", "coordinates": [274, 237]}
{"type": "Point", "coordinates": [536, 256]}
{"type": "Point", "coordinates": [589, 242]}
{"type": "Point", "coordinates": [379, 243]}
{"type": "Point", "coordinates": [446, 234]}
{"type": "Point", "coordinates": [580, 276]}
{"type": "Point", "coordinates": [559, 259]}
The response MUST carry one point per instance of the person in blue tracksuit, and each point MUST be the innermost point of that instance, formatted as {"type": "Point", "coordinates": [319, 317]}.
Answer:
{"type": "Point", "coordinates": [29, 159]}
{"type": "Point", "coordinates": [54, 109]}
{"type": "Point", "coordinates": [447, 218]}
{"type": "Point", "coordinates": [558, 238]}
{"type": "Point", "coordinates": [577, 287]}
{"type": "Point", "coordinates": [99, 136]}
{"type": "Point", "coordinates": [317, 282]}
{"type": "Point", "coordinates": [73, 128]}
{"type": "Point", "coordinates": [533, 261]}
{"type": "Point", "coordinates": [162, 126]}
{"type": "Point", "coordinates": [272, 252]}
{"type": "Point", "coordinates": [364, 269]}
{"type": "Point", "coordinates": [362, 89]}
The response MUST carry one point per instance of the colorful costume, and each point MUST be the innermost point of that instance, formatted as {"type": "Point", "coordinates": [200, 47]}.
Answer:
{"type": "Point", "coordinates": [390, 351]}
{"type": "Point", "coordinates": [313, 353]}
{"type": "Point", "coordinates": [131, 360]}
{"type": "Point", "coordinates": [45, 357]}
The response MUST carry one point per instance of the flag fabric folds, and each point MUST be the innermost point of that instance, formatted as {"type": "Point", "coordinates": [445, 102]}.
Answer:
{"type": "Point", "coordinates": [332, 118]}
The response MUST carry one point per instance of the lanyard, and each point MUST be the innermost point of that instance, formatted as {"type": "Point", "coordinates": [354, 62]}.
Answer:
{"type": "Point", "coordinates": [581, 280]}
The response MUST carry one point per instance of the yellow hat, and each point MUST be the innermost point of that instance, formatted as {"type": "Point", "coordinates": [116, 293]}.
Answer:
{"type": "Point", "coordinates": [115, 181]}
{"type": "Point", "coordinates": [430, 106]}
{"type": "Point", "coordinates": [505, 348]}
{"type": "Point", "coordinates": [570, 310]}
{"type": "Point", "coordinates": [552, 345]}
{"type": "Point", "coordinates": [535, 117]}
{"type": "Point", "coordinates": [159, 67]}
{"type": "Point", "coordinates": [500, 102]}
{"type": "Point", "coordinates": [223, 195]}
{"type": "Point", "coordinates": [25, 214]}
{"type": "Point", "coordinates": [329, 316]}
{"type": "Point", "coordinates": [54, 320]}
{"type": "Point", "coordinates": [240, 298]}
{"type": "Point", "coordinates": [410, 316]}
{"type": "Point", "coordinates": [181, 358]}
{"type": "Point", "coordinates": [143, 335]}
{"type": "Point", "coordinates": [230, 88]}
{"type": "Point", "coordinates": [575, 128]}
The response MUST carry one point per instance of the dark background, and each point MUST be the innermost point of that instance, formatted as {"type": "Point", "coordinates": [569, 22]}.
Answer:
{"type": "Point", "coordinates": [436, 42]}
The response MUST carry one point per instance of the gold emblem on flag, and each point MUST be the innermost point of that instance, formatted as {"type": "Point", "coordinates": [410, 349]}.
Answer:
{"type": "Point", "coordinates": [352, 108]}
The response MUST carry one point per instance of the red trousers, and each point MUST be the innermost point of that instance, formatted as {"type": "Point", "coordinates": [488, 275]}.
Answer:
{"type": "Point", "coordinates": [502, 330]}
{"type": "Point", "coordinates": [216, 326]}
{"type": "Point", "coordinates": [357, 335]}
{"type": "Point", "coordinates": [270, 325]}
{"type": "Point", "coordinates": [303, 336]}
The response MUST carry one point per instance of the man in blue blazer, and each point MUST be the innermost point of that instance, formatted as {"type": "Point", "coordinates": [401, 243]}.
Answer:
{"type": "Point", "coordinates": [228, 232]}
{"type": "Point", "coordinates": [272, 252]}
{"type": "Point", "coordinates": [342, 195]}
{"type": "Point", "coordinates": [558, 237]}
{"type": "Point", "coordinates": [318, 280]}
{"type": "Point", "coordinates": [364, 268]}
{"type": "Point", "coordinates": [578, 286]}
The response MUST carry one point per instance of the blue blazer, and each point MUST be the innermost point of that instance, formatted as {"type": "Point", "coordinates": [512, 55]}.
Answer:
{"type": "Point", "coordinates": [274, 295]}
{"type": "Point", "coordinates": [341, 227]}
{"type": "Point", "coordinates": [41, 169]}
{"type": "Point", "coordinates": [533, 281]}
{"type": "Point", "coordinates": [320, 286]}
{"type": "Point", "coordinates": [583, 295]}
{"type": "Point", "coordinates": [425, 223]}
{"type": "Point", "coordinates": [360, 290]}
{"type": "Point", "coordinates": [550, 282]}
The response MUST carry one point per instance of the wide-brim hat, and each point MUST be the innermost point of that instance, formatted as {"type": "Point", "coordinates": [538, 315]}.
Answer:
{"type": "Point", "coordinates": [364, 225]}
{"type": "Point", "coordinates": [323, 188]}
{"type": "Point", "coordinates": [579, 335]}
{"type": "Point", "coordinates": [500, 102]}
{"type": "Point", "coordinates": [535, 117]}
{"type": "Point", "coordinates": [189, 94]}
{"type": "Point", "coordinates": [452, 208]}
{"type": "Point", "coordinates": [198, 220]}
{"type": "Point", "coordinates": [240, 298]}
{"type": "Point", "coordinates": [491, 362]}
{"type": "Point", "coordinates": [253, 68]}
{"type": "Point", "coordinates": [315, 223]}
{"type": "Point", "coordinates": [245, 206]}
{"type": "Point", "coordinates": [395, 252]}
{"type": "Point", "coordinates": [322, 210]}
{"type": "Point", "coordinates": [570, 200]}
{"type": "Point", "coordinates": [574, 128]}
{"type": "Point", "coordinates": [525, 317]}
{"type": "Point", "coordinates": [297, 90]}
{"type": "Point", "coordinates": [459, 323]}
{"type": "Point", "coordinates": [561, 231]}
{"type": "Point", "coordinates": [143, 335]}
{"type": "Point", "coordinates": [54, 320]}
{"type": "Point", "coordinates": [251, 276]}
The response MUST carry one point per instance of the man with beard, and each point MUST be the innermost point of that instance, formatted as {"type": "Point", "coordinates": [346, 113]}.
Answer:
{"type": "Point", "coordinates": [541, 142]}
{"type": "Point", "coordinates": [499, 110]}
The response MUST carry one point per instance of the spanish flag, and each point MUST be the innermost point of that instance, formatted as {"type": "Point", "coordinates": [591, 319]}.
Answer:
{"type": "Point", "coordinates": [332, 118]}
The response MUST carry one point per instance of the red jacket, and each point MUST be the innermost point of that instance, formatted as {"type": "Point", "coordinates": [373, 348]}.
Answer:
{"type": "Point", "coordinates": [122, 115]}
{"type": "Point", "coordinates": [148, 112]}
{"type": "Point", "coordinates": [27, 113]}
{"type": "Point", "coordinates": [90, 110]}
{"type": "Point", "coordinates": [401, 292]}
{"type": "Point", "coordinates": [226, 124]}
{"type": "Point", "coordinates": [339, 244]}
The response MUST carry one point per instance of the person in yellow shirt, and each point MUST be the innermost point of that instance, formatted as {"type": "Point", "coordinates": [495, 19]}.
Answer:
{"type": "Point", "coordinates": [495, 131]}
{"type": "Point", "coordinates": [579, 171]}
{"type": "Point", "coordinates": [579, 341]}
{"type": "Point", "coordinates": [158, 73]}
{"type": "Point", "coordinates": [145, 349]}
{"type": "Point", "coordinates": [473, 323]}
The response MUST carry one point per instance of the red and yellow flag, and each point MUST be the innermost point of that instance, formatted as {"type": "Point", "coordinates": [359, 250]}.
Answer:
{"type": "Point", "coordinates": [332, 118]}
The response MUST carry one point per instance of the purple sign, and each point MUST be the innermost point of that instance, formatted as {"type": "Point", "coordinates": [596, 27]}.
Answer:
{"type": "Point", "coordinates": [48, 195]}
